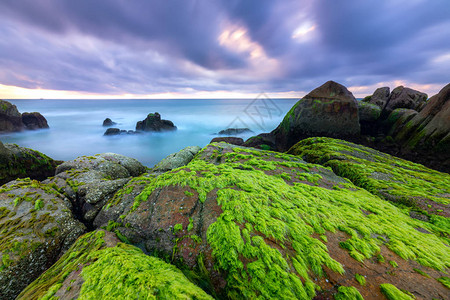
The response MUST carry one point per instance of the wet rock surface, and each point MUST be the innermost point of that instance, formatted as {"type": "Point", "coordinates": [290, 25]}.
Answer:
{"type": "Point", "coordinates": [90, 181]}
{"type": "Point", "coordinates": [19, 162]}
{"type": "Point", "coordinates": [99, 266]}
{"type": "Point", "coordinates": [36, 228]}
{"type": "Point", "coordinates": [237, 218]}
{"type": "Point", "coordinates": [153, 122]}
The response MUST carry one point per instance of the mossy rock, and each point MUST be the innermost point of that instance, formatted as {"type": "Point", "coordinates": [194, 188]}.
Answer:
{"type": "Point", "coordinates": [368, 112]}
{"type": "Point", "coordinates": [176, 160]}
{"type": "Point", "coordinates": [99, 266]}
{"type": "Point", "coordinates": [36, 227]}
{"type": "Point", "coordinates": [90, 181]}
{"type": "Point", "coordinates": [421, 189]}
{"type": "Point", "coordinates": [245, 223]}
{"type": "Point", "coordinates": [329, 110]}
{"type": "Point", "coordinates": [19, 162]}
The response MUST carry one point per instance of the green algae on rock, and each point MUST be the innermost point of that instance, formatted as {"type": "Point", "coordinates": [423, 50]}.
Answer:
{"type": "Point", "coordinates": [99, 266]}
{"type": "Point", "coordinates": [19, 162]}
{"type": "Point", "coordinates": [35, 228]}
{"type": "Point", "coordinates": [393, 293]}
{"type": "Point", "coordinates": [386, 176]}
{"type": "Point", "coordinates": [348, 293]}
{"type": "Point", "coordinates": [260, 233]}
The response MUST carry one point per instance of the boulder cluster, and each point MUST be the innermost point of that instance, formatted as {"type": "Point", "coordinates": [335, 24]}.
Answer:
{"type": "Point", "coordinates": [327, 219]}
{"type": "Point", "coordinates": [12, 120]}
{"type": "Point", "coordinates": [403, 122]}
{"type": "Point", "coordinates": [152, 123]}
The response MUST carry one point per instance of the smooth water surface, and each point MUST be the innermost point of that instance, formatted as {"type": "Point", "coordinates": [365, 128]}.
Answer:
{"type": "Point", "coordinates": [76, 125]}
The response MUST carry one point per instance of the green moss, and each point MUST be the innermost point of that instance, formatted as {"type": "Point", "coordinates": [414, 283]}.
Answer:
{"type": "Point", "coordinates": [399, 181]}
{"type": "Point", "coordinates": [361, 279]}
{"type": "Point", "coordinates": [393, 293]}
{"type": "Point", "coordinates": [189, 194]}
{"type": "Point", "coordinates": [421, 272]}
{"type": "Point", "coordinates": [38, 204]}
{"type": "Point", "coordinates": [191, 224]}
{"type": "Point", "coordinates": [120, 272]}
{"type": "Point", "coordinates": [445, 281]}
{"type": "Point", "coordinates": [178, 227]}
{"type": "Point", "coordinates": [393, 263]}
{"type": "Point", "coordinates": [348, 293]}
{"type": "Point", "coordinates": [263, 216]}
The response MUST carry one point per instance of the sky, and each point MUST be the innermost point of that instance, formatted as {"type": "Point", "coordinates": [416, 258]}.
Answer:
{"type": "Point", "coordinates": [219, 48]}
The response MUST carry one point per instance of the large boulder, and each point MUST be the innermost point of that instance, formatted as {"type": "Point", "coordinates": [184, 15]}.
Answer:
{"type": "Point", "coordinates": [402, 97]}
{"type": "Point", "coordinates": [368, 115]}
{"type": "Point", "coordinates": [34, 120]}
{"type": "Point", "coordinates": [99, 266]}
{"type": "Point", "coordinates": [10, 118]}
{"type": "Point", "coordinates": [19, 162]}
{"type": "Point", "coordinates": [90, 181]}
{"type": "Point", "coordinates": [245, 223]}
{"type": "Point", "coordinates": [153, 122]}
{"type": "Point", "coordinates": [36, 227]}
{"type": "Point", "coordinates": [176, 160]}
{"type": "Point", "coordinates": [429, 130]}
{"type": "Point", "coordinates": [396, 119]}
{"type": "Point", "coordinates": [380, 97]}
{"type": "Point", "coordinates": [329, 110]}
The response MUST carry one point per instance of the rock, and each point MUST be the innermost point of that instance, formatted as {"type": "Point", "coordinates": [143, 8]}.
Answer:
{"type": "Point", "coordinates": [176, 160]}
{"type": "Point", "coordinates": [368, 112]}
{"type": "Point", "coordinates": [19, 162]}
{"type": "Point", "coordinates": [380, 97]}
{"type": "Point", "coordinates": [108, 122]}
{"type": "Point", "coordinates": [429, 130]}
{"type": "Point", "coordinates": [112, 131]}
{"type": "Point", "coordinates": [36, 227]}
{"type": "Point", "coordinates": [249, 223]}
{"type": "Point", "coordinates": [381, 175]}
{"type": "Point", "coordinates": [153, 122]}
{"type": "Point", "coordinates": [229, 139]}
{"type": "Point", "coordinates": [234, 131]}
{"type": "Point", "coordinates": [34, 121]}
{"type": "Point", "coordinates": [397, 119]}
{"type": "Point", "coordinates": [90, 181]}
{"type": "Point", "coordinates": [265, 141]}
{"type": "Point", "coordinates": [329, 110]}
{"type": "Point", "coordinates": [402, 97]}
{"type": "Point", "coordinates": [368, 115]}
{"type": "Point", "coordinates": [99, 266]}
{"type": "Point", "coordinates": [10, 118]}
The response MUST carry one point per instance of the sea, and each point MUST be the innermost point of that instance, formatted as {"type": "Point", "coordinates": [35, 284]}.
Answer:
{"type": "Point", "coordinates": [76, 125]}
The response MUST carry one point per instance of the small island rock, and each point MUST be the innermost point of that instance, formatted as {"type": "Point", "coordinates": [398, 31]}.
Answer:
{"type": "Point", "coordinates": [153, 122]}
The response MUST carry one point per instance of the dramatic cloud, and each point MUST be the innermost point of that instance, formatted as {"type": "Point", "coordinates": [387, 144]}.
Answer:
{"type": "Point", "coordinates": [118, 47]}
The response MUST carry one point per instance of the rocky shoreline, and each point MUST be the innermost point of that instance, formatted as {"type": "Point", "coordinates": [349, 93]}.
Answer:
{"type": "Point", "coordinates": [320, 218]}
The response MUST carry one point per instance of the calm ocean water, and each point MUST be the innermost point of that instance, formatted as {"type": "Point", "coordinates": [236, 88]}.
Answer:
{"type": "Point", "coordinates": [76, 125]}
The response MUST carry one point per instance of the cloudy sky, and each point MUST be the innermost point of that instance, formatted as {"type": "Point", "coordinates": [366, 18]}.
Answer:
{"type": "Point", "coordinates": [219, 48]}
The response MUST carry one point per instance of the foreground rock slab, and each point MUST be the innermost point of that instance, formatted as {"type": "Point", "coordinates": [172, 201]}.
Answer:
{"type": "Point", "coordinates": [36, 227]}
{"type": "Point", "coordinates": [90, 181]}
{"type": "Point", "coordinates": [250, 223]}
{"type": "Point", "coordinates": [99, 266]}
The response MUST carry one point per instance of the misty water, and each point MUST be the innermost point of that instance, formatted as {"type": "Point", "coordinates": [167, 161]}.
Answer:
{"type": "Point", "coordinates": [76, 125]}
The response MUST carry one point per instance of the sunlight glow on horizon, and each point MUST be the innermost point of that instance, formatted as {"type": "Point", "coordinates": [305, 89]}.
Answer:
{"type": "Point", "coordinates": [15, 92]}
